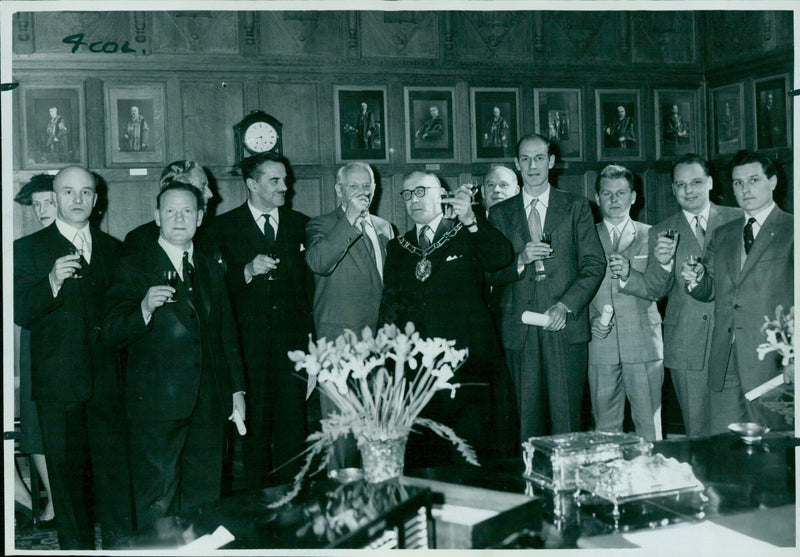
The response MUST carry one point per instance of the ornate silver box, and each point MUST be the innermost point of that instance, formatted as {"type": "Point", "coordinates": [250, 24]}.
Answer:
{"type": "Point", "coordinates": [552, 461]}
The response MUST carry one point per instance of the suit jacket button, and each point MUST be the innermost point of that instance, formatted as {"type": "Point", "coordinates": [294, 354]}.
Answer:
{"type": "Point", "coordinates": [736, 306]}
{"type": "Point", "coordinates": [274, 308]}
{"type": "Point", "coordinates": [705, 318]}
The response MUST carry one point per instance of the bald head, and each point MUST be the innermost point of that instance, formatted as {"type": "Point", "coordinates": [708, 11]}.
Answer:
{"type": "Point", "coordinates": [76, 195]}
{"type": "Point", "coordinates": [499, 183]}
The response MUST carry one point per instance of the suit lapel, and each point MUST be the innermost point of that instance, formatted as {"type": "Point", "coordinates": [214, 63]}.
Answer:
{"type": "Point", "coordinates": [556, 211]}
{"type": "Point", "coordinates": [605, 239]}
{"type": "Point", "coordinates": [521, 220]}
{"type": "Point", "coordinates": [183, 302]}
{"type": "Point", "coordinates": [733, 245]}
{"type": "Point", "coordinates": [250, 232]}
{"type": "Point", "coordinates": [765, 237]}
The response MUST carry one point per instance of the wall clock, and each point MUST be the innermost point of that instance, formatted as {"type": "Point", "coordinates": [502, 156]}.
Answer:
{"type": "Point", "coordinates": [258, 132]}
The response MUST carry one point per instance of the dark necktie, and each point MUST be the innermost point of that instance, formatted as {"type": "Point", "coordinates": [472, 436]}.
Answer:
{"type": "Point", "coordinates": [188, 273]}
{"type": "Point", "coordinates": [700, 232]}
{"type": "Point", "coordinates": [424, 242]}
{"type": "Point", "coordinates": [368, 241]}
{"type": "Point", "coordinates": [269, 233]}
{"type": "Point", "coordinates": [748, 235]}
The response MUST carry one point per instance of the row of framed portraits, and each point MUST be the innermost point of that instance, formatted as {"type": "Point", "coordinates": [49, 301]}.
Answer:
{"type": "Point", "coordinates": [54, 124]}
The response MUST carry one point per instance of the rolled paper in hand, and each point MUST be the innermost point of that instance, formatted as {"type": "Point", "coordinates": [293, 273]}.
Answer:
{"type": "Point", "coordinates": [764, 388]}
{"type": "Point", "coordinates": [237, 419]}
{"type": "Point", "coordinates": [608, 313]}
{"type": "Point", "coordinates": [537, 319]}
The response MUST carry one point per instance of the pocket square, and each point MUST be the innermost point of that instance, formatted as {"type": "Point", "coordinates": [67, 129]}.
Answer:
{"type": "Point", "coordinates": [302, 247]}
{"type": "Point", "coordinates": [451, 258]}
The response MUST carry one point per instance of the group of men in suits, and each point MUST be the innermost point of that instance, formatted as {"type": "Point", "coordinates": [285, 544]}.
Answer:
{"type": "Point", "coordinates": [261, 278]}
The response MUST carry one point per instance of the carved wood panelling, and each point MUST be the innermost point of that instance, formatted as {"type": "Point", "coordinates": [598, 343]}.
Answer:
{"type": "Point", "coordinates": [659, 202]}
{"type": "Point", "coordinates": [208, 114]}
{"type": "Point", "coordinates": [492, 35]}
{"type": "Point", "coordinates": [663, 37]}
{"type": "Point", "coordinates": [195, 32]}
{"type": "Point", "coordinates": [307, 197]}
{"type": "Point", "coordinates": [733, 34]}
{"type": "Point", "coordinates": [784, 28]}
{"type": "Point", "coordinates": [297, 108]}
{"type": "Point", "coordinates": [583, 37]}
{"type": "Point", "coordinates": [231, 192]}
{"type": "Point", "coordinates": [304, 33]}
{"type": "Point", "coordinates": [49, 29]}
{"type": "Point", "coordinates": [399, 34]}
{"type": "Point", "coordinates": [130, 204]}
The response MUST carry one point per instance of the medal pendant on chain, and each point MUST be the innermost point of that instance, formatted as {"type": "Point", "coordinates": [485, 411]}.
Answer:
{"type": "Point", "coordinates": [423, 270]}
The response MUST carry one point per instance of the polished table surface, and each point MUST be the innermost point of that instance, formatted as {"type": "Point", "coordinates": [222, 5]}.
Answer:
{"type": "Point", "coordinates": [738, 478]}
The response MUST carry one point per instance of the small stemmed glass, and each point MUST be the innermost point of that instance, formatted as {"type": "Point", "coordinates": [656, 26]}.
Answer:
{"type": "Point", "coordinates": [170, 278]}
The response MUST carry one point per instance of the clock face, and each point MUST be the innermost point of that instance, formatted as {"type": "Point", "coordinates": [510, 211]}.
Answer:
{"type": "Point", "coordinates": [260, 137]}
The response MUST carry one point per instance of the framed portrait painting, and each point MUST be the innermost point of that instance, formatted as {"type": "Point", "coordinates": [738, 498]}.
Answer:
{"type": "Point", "coordinates": [360, 113]}
{"type": "Point", "coordinates": [559, 117]}
{"type": "Point", "coordinates": [495, 123]}
{"type": "Point", "coordinates": [773, 113]}
{"type": "Point", "coordinates": [677, 123]}
{"type": "Point", "coordinates": [429, 124]}
{"type": "Point", "coordinates": [53, 128]}
{"type": "Point", "coordinates": [135, 124]}
{"type": "Point", "coordinates": [619, 124]}
{"type": "Point", "coordinates": [728, 117]}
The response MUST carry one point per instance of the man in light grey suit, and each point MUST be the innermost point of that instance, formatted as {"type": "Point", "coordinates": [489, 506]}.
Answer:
{"type": "Point", "coordinates": [748, 271]}
{"type": "Point", "coordinates": [625, 354]}
{"type": "Point", "coordinates": [688, 322]}
{"type": "Point", "coordinates": [346, 251]}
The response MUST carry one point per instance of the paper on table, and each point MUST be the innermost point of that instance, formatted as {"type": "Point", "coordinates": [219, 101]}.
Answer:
{"type": "Point", "coordinates": [533, 318]}
{"type": "Point", "coordinates": [220, 537]}
{"type": "Point", "coordinates": [703, 538]}
{"type": "Point", "coordinates": [764, 388]}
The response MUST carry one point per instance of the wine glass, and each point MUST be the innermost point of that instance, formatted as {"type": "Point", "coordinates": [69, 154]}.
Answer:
{"type": "Point", "coordinates": [270, 274]}
{"type": "Point", "coordinates": [73, 250]}
{"type": "Point", "coordinates": [694, 261]}
{"type": "Point", "coordinates": [671, 233]}
{"type": "Point", "coordinates": [447, 206]}
{"type": "Point", "coordinates": [473, 191]}
{"type": "Point", "coordinates": [170, 278]}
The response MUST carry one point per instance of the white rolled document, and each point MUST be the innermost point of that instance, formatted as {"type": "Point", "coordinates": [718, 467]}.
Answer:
{"type": "Point", "coordinates": [221, 536]}
{"type": "Point", "coordinates": [237, 419]}
{"type": "Point", "coordinates": [533, 318]}
{"type": "Point", "coordinates": [764, 388]}
{"type": "Point", "coordinates": [608, 313]}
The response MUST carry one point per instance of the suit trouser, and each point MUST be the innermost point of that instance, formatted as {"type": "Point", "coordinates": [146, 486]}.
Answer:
{"type": "Point", "coordinates": [549, 375]}
{"type": "Point", "coordinates": [177, 464]}
{"type": "Point", "coordinates": [640, 383]}
{"type": "Point", "coordinates": [66, 449]}
{"type": "Point", "coordinates": [691, 390]}
{"type": "Point", "coordinates": [729, 406]}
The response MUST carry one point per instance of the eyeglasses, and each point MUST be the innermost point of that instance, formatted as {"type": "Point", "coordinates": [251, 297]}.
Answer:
{"type": "Point", "coordinates": [418, 192]}
{"type": "Point", "coordinates": [695, 183]}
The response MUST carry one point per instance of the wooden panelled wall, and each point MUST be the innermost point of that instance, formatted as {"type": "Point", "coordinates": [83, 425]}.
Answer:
{"type": "Point", "coordinates": [215, 67]}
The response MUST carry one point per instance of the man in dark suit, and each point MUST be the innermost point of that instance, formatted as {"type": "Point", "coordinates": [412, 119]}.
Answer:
{"type": "Point", "coordinates": [346, 251]}
{"type": "Point", "coordinates": [187, 172]}
{"type": "Point", "coordinates": [547, 364]}
{"type": "Point", "coordinates": [61, 275]}
{"type": "Point", "coordinates": [262, 244]}
{"type": "Point", "coordinates": [687, 322]}
{"type": "Point", "coordinates": [183, 367]}
{"type": "Point", "coordinates": [748, 271]}
{"type": "Point", "coordinates": [434, 277]}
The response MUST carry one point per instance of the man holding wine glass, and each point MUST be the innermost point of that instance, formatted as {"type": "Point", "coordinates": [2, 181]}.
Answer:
{"type": "Point", "coordinates": [547, 364]}
{"type": "Point", "coordinates": [183, 368]}
{"type": "Point", "coordinates": [71, 369]}
{"type": "Point", "coordinates": [747, 271]}
{"type": "Point", "coordinates": [687, 322]}
{"type": "Point", "coordinates": [625, 354]}
{"type": "Point", "coordinates": [263, 239]}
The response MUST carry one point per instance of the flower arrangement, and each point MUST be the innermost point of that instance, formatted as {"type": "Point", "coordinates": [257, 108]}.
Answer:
{"type": "Point", "coordinates": [780, 333]}
{"type": "Point", "coordinates": [379, 384]}
{"type": "Point", "coordinates": [779, 336]}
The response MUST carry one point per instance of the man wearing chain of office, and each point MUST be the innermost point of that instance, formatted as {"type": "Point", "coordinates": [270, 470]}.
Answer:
{"type": "Point", "coordinates": [433, 277]}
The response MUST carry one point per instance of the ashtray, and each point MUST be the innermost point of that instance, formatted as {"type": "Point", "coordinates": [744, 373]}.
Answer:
{"type": "Point", "coordinates": [346, 475]}
{"type": "Point", "coordinates": [749, 432]}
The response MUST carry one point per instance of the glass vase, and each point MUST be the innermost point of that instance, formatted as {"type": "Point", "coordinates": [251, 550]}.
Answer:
{"type": "Point", "coordinates": [382, 460]}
